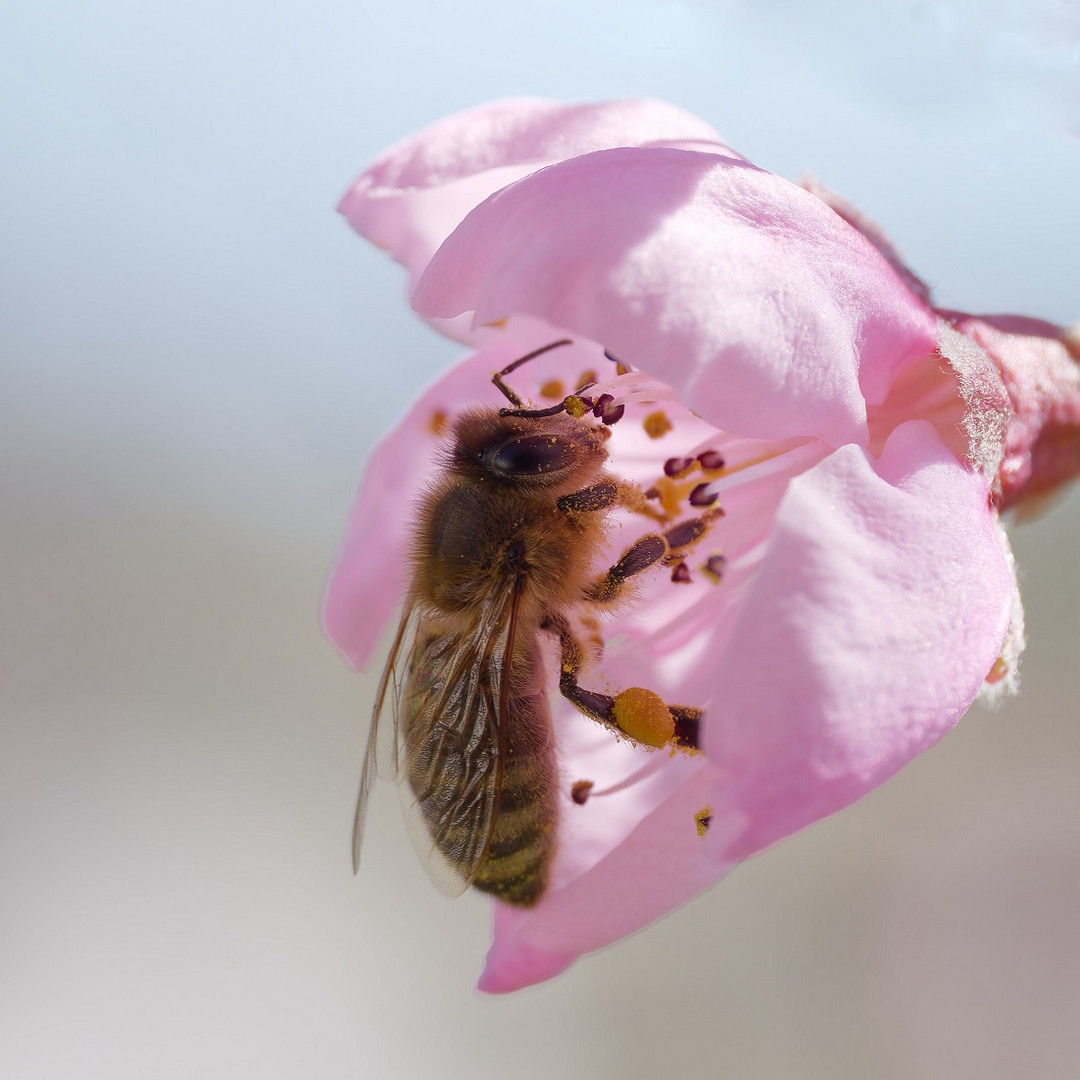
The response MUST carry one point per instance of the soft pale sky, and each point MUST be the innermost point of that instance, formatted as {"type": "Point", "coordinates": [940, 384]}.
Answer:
{"type": "Point", "coordinates": [197, 356]}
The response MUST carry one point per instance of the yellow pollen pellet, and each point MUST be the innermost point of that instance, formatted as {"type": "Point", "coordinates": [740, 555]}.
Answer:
{"type": "Point", "coordinates": [644, 716]}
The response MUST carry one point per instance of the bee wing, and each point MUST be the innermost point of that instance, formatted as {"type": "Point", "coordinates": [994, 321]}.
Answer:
{"type": "Point", "coordinates": [454, 743]}
{"type": "Point", "coordinates": [381, 755]}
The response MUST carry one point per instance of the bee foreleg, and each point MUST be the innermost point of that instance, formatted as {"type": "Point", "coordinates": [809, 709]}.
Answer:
{"type": "Point", "coordinates": [643, 553]}
{"type": "Point", "coordinates": [650, 549]}
{"type": "Point", "coordinates": [677, 725]}
{"type": "Point", "coordinates": [596, 497]}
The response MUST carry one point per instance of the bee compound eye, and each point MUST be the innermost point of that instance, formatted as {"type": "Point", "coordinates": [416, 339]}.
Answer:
{"type": "Point", "coordinates": [525, 455]}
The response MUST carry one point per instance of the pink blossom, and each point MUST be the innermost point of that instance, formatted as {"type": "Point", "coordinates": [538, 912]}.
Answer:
{"type": "Point", "coordinates": [865, 592]}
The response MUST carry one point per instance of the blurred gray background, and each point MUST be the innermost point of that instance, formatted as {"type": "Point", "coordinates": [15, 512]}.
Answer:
{"type": "Point", "coordinates": [197, 355]}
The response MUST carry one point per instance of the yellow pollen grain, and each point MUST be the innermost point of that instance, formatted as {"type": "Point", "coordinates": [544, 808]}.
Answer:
{"type": "Point", "coordinates": [643, 715]}
{"type": "Point", "coordinates": [552, 389]}
{"type": "Point", "coordinates": [701, 819]}
{"type": "Point", "coordinates": [657, 424]}
{"type": "Point", "coordinates": [576, 407]}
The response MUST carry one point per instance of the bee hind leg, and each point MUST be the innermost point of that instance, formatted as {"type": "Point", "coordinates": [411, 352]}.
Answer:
{"type": "Point", "coordinates": [636, 713]}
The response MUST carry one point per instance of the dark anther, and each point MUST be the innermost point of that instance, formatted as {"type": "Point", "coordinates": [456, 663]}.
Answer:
{"type": "Point", "coordinates": [680, 574]}
{"type": "Point", "coordinates": [711, 459]}
{"type": "Point", "coordinates": [580, 791]}
{"type": "Point", "coordinates": [715, 565]}
{"type": "Point", "coordinates": [606, 410]}
{"type": "Point", "coordinates": [676, 466]}
{"type": "Point", "coordinates": [613, 359]}
{"type": "Point", "coordinates": [701, 496]}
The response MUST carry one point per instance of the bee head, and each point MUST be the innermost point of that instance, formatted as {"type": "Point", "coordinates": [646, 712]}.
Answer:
{"type": "Point", "coordinates": [553, 452]}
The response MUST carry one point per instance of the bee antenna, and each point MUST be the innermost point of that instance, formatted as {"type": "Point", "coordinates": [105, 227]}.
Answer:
{"type": "Point", "coordinates": [553, 410]}
{"type": "Point", "coordinates": [511, 395]}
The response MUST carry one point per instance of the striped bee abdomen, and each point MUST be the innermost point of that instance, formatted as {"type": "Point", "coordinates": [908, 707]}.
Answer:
{"type": "Point", "coordinates": [516, 868]}
{"type": "Point", "coordinates": [466, 781]}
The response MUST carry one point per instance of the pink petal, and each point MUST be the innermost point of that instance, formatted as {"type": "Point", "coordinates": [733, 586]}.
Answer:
{"type": "Point", "coordinates": [879, 610]}
{"type": "Point", "coordinates": [764, 311]}
{"type": "Point", "coordinates": [873, 232]}
{"type": "Point", "coordinates": [418, 191]}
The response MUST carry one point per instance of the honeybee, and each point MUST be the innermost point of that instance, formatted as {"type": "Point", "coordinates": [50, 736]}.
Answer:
{"type": "Point", "coordinates": [502, 554]}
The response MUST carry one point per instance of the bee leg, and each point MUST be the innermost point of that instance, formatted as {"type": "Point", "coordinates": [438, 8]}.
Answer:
{"type": "Point", "coordinates": [637, 714]}
{"type": "Point", "coordinates": [667, 547]}
{"type": "Point", "coordinates": [597, 497]}
{"type": "Point", "coordinates": [606, 494]}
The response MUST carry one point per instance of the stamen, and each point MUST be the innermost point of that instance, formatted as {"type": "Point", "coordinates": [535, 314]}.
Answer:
{"type": "Point", "coordinates": [581, 790]}
{"type": "Point", "coordinates": [681, 574]}
{"type": "Point", "coordinates": [650, 765]}
{"type": "Point", "coordinates": [702, 496]}
{"type": "Point", "coordinates": [620, 367]}
{"type": "Point", "coordinates": [437, 423]}
{"type": "Point", "coordinates": [553, 390]}
{"type": "Point", "coordinates": [703, 819]}
{"type": "Point", "coordinates": [678, 466]}
{"type": "Point", "coordinates": [607, 411]}
{"type": "Point", "coordinates": [714, 567]}
{"type": "Point", "coordinates": [576, 406]}
{"type": "Point", "coordinates": [711, 459]}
